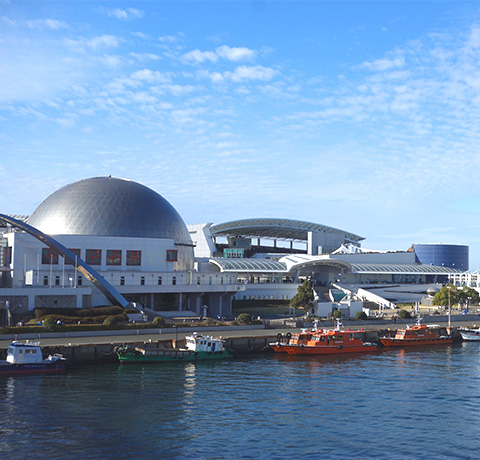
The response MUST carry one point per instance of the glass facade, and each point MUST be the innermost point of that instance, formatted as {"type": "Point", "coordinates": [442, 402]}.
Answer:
{"type": "Point", "coordinates": [442, 255]}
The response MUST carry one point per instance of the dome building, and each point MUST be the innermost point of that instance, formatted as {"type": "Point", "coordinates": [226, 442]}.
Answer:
{"type": "Point", "coordinates": [131, 239]}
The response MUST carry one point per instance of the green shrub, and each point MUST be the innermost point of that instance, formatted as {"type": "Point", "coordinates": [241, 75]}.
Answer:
{"type": "Point", "coordinates": [110, 320]}
{"type": "Point", "coordinates": [337, 314]}
{"type": "Point", "coordinates": [244, 318]}
{"type": "Point", "coordinates": [361, 315]}
{"type": "Point", "coordinates": [50, 321]}
{"type": "Point", "coordinates": [404, 314]}
{"type": "Point", "coordinates": [158, 321]}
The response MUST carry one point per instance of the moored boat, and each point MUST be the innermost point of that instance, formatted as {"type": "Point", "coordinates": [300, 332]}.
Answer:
{"type": "Point", "coordinates": [198, 347]}
{"type": "Point", "coordinates": [26, 358]}
{"type": "Point", "coordinates": [418, 335]}
{"type": "Point", "coordinates": [325, 342]}
{"type": "Point", "coordinates": [470, 334]}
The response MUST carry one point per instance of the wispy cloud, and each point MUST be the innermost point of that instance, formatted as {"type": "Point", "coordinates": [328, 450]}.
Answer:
{"type": "Point", "coordinates": [125, 14]}
{"type": "Point", "coordinates": [222, 52]}
{"type": "Point", "coordinates": [47, 24]}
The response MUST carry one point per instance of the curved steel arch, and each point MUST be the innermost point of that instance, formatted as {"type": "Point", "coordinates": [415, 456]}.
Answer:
{"type": "Point", "coordinates": [70, 258]}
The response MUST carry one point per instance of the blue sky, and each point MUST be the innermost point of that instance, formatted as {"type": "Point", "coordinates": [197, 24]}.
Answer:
{"type": "Point", "coordinates": [360, 115]}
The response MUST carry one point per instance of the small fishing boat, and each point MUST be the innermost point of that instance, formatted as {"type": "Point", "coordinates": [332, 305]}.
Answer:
{"type": "Point", "coordinates": [470, 334]}
{"type": "Point", "coordinates": [418, 335]}
{"type": "Point", "coordinates": [198, 347]}
{"type": "Point", "coordinates": [26, 358]}
{"type": "Point", "coordinates": [324, 342]}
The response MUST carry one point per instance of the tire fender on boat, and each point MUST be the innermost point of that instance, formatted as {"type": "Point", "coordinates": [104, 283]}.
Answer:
{"type": "Point", "coordinates": [340, 347]}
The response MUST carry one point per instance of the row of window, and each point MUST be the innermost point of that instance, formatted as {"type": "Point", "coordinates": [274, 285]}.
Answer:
{"type": "Point", "coordinates": [113, 256]}
{"type": "Point", "coordinates": [122, 280]}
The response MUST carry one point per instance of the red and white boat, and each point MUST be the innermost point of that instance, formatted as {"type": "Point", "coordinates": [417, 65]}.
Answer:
{"type": "Point", "coordinates": [324, 342]}
{"type": "Point", "coordinates": [418, 335]}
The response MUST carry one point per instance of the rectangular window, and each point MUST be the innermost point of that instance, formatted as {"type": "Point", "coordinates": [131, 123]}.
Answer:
{"type": "Point", "coordinates": [122, 281]}
{"type": "Point", "coordinates": [79, 281]}
{"type": "Point", "coordinates": [114, 257]}
{"type": "Point", "coordinates": [49, 256]}
{"type": "Point", "coordinates": [174, 280]}
{"type": "Point", "coordinates": [45, 280]}
{"type": "Point", "coordinates": [93, 256]}
{"type": "Point", "coordinates": [142, 281]}
{"type": "Point", "coordinates": [57, 281]}
{"type": "Point", "coordinates": [172, 255]}
{"type": "Point", "coordinates": [76, 252]}
{"type": "Point", "coordinates": [134, 257]}
{"type": "Point", "coordinates": [159, 280]}
{"type": "Point", "coordinates": [6, 258]}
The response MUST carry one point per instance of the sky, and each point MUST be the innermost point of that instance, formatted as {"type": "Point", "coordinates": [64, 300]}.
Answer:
{"type": "Point", "coordinates": [359, 115]}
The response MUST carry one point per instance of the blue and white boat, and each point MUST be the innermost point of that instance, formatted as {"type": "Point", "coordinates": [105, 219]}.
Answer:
{"type": "Point", "coordinates": [26, 358]}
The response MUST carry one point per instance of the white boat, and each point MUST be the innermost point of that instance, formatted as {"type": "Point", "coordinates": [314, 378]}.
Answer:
{"type": "Point", "coordinates": [26, 358]}
{"type": "Point", "coordinates": [470, 334]}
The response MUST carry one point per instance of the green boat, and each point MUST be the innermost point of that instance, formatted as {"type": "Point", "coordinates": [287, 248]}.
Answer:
{"type": "Point", "coordinates": [198, 348]}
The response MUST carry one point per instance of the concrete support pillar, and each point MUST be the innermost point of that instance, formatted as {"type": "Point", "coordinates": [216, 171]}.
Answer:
{"type": "Point", "coordinates": [180, 301]}
{"type": "Point", "coordinates": [198, 305]}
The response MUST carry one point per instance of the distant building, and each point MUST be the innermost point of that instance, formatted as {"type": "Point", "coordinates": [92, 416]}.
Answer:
{"type": "Point", "coordinates": [106, 240]}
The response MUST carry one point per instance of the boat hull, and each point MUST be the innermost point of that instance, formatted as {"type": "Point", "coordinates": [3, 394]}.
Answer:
{"type": "Point", "coordinates": [392, 342]}
{"type": "Point", "coordinates": [470, 336]}
{"type": "Point", "coordinates": [328, 350]}
{"type": "Point", "coordinates": [31, 369]}
{"type": "Point", "coordinates": [172, 356]}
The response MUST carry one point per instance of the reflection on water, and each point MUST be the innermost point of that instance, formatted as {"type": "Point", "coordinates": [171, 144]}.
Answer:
{"type": "Point", "coordinates": [412, 403]}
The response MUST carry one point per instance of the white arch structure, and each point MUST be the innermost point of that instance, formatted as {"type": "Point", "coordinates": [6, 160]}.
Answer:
{"type": "Point", "coordinates": [70, 258]}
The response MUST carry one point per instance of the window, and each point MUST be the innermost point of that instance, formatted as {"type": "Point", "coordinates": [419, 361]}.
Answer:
{"type": "Point", "coordinates": [114, 257]}
{"type": "Point", "coordinates": [142, 281]}
{"type": "Point", "coordinates": [49, 256]}
{"type": "Point", "coordinates": [79, 281]}
{"type": "Point", "coordinates": [76, 252]}
{"type": "Point", "coordinates": [172, 255]}
{"type": "Point", "coordinates": [57, 281]}
{"type": "Point", "coordinates": [159, 280]}
{"type": "Point", "coordinates": [122, 281]}
{"type": "Point", "coordinates": [174, 280]}
{"type": "Point", "coordinates": [134, 257]}
{"type": "Point", "coordinates": [93, 256]}
{"type": "Point", "coordinates": [45, 280]}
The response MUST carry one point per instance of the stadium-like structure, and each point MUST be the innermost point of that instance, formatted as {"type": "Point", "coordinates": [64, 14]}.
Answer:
{"type": "Point", "coordinates": [106, 240]}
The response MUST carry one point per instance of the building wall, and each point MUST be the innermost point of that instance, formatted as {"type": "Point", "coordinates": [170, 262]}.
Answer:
{"type": "Point", "coordinates": [443, 255]}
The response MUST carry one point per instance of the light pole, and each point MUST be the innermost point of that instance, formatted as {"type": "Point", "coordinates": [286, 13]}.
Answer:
{"type": "Point", "coordinates": [449, 307]}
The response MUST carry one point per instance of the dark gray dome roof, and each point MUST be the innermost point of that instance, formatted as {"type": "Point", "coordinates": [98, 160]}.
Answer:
{"type": "Point", "coordinates": [107, 206]}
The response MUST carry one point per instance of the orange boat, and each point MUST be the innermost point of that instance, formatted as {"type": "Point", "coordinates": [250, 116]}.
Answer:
{"type": "Point", "coordinates": [415, 336]}
{"type": "Point", "coordinates": [324, 342]}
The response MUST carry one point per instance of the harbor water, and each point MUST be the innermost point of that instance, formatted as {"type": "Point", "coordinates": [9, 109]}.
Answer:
{"type": "Point", "coordinates": [395, 404]}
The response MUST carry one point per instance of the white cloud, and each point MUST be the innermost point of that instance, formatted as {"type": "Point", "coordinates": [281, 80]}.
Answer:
{"type": "Point", "coordinates": [197, 56]}
{"type": "Point", "coordinates": [222, 52]}
{"type": "Point", "coordinates": [7, 21]}
{"type": "Point", "coordinates": [95, 43]}
{"type": "Point", "coordinates": [47, 24]}
{"type": "Point", "coordinates": [257, 72]}
{"type": "Point", "coordinates": [150, 76]}
{"type": "Point", "coordinates": [380, 65]}
{"type": "Point", "coordinates": [235, 54]}
{"type": "Point", "coordinates": [241, 73]}
{"type": "Point", "coordinates": [126, 14]}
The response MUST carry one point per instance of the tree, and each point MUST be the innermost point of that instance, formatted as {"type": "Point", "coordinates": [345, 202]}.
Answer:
{"type": "Point", "coordinates": [304, 297]}
{"type": "Point", "coordinates": [448, 295]}
{"type": "Point", "coordinates": [468, 296]}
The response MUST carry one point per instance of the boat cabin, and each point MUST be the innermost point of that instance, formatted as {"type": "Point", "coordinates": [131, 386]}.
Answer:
{"type": "Point", "coordinates": [198, 342]}
{"type": "Point", "coordinates": [24, 353]}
